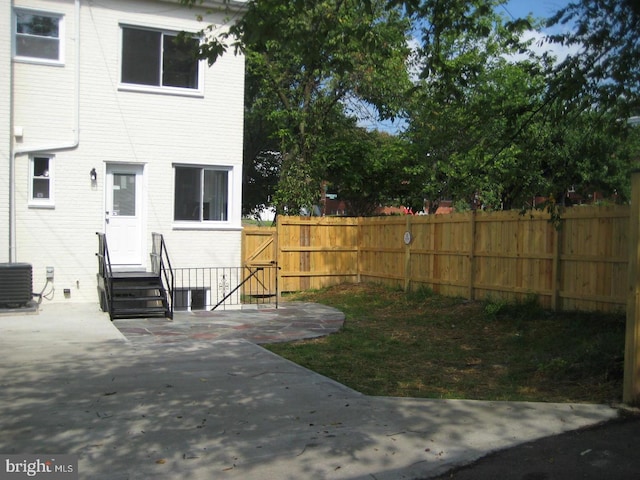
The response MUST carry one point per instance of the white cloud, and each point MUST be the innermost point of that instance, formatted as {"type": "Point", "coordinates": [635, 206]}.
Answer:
{"type": "Point", "coordinates": [539, 45]}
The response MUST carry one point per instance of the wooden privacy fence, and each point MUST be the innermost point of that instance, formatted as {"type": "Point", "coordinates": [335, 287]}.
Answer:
{"type": "Point", "coordinates": [259, 251]}
{"type": "Point", "coordinates": [583, 265]}
{"type": "Point", "coordinates": [592, 262]}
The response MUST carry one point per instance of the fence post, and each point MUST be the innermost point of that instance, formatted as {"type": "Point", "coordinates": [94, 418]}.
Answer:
{"type": "Point", "coordinates": [304, 228]}
{"type": "Point", "coordinates": [472, 259]}
{"type": "Point", "coordinates": [555, 269]}
{"type": "Point", "coordinates": [359, 237]}
{"type": "Point", "coordinates": [407, 254]}
{"type": "Point", "coordinates": [631, 389]}
{"type": "Point", "coordinates": [277, 258]}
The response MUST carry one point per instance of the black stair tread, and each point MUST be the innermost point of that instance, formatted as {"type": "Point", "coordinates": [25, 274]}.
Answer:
{"type": "Point", "coordinates": [138, 311]}
{"type": "Point", "coordinates": [141, 315]}
{"type": "Point", "coordinates": [127, 288]}
{"type": "Point", "coordinates": [146, 311]}
{"type": "Point", "coordinates": [140, 292]}
{"type": "Point", "coordinates": [127, 295]}
{"type": "Point", "coordinates": [126, 303]}
{"type": "Point", "coordinates": [148, 290]}
{"type": "Point", "coordinates": [136, 308]}
{"type": "Point", "coordinates": [133, 275]}
{"type": "Point", "coordinates": [139, 295]}
{"type": "Point", "coordinates": [135, 281]}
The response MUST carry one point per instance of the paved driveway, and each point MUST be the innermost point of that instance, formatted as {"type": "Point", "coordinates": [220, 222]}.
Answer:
{"type": "Point", "coordinates": [157, 404]}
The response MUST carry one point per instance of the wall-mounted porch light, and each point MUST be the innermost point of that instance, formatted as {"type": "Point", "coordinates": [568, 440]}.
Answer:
{"type": "Point", "coordinates": [93, 175]}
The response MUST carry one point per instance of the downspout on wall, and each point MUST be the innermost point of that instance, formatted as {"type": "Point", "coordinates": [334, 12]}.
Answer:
{"type": "Point", "coordinates": [68, 145]}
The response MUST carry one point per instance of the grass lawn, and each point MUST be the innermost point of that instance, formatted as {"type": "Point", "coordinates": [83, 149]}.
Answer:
{"type": "Point", "coordinates": [424, 345]}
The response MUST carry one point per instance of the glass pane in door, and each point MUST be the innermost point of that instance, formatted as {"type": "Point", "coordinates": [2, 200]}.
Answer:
{"type": "Point", "coordinates": [124, 194]}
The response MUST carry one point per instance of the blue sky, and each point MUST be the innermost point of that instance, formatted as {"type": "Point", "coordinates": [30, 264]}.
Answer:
{"type": "Point", "coordinates": [540, 8]}
{"type": "Point", "coordinates": [516, 9]}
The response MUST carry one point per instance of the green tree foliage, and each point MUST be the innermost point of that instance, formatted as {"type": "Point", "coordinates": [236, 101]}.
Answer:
{"type": "Point", "coordinates": [262, 157]}
{"type": "Point", "coordinates": [311, 59]}
{"type": "Point", "coordinates": [469, 107]}
{"type": "Point", "coordinates": [365, 168]}
{"type": "Point", "coordinates": [502, 144]}
{"type": "Point", "coordinates": [482, 128]}
{"type": "Point", "coordinates": [605, 72]}
{"type": "Point", "coordinates": [467, 145]}
{"type": "Point", "coordinates": [496, 132]}
{"type": "Point", "coordinates": [455, 35]}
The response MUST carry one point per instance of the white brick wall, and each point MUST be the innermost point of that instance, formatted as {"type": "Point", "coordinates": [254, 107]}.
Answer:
{"type": "Point", "coordinates": [116, 125]}
{"type": "Point", "coordinates": [5, 134]}
{"type": "Point", "coordinates": [32, 85]}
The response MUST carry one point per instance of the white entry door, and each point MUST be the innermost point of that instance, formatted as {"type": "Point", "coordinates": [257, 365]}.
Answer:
{"type": "Point", "coordinates": [124, 224]}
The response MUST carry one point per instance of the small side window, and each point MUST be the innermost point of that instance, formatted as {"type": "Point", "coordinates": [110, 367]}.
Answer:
{"type": "Point", "coordinates": [38, 36]}
{"type": "Point", "coordinates": [41, 183]}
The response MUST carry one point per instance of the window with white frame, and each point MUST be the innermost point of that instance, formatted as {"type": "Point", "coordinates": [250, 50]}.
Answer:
{"type": "Point", "coordinates": [38, 35]}
{"type": "Point", "coordinates": [154, 58]}
{"type": "Point", "coordinates": [41, 180]}
{"type": "Point", "coordinates": [201, 194]}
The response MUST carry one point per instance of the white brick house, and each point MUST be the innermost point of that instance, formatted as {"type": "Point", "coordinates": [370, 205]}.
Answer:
{"type": "Point", "coordinates": [107, 126]}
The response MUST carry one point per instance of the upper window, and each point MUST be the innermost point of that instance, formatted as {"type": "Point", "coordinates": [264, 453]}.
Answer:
{"type": "Point", "coordinates": [37, 35]}
{"type": "Point", "coordinates": [41, 184]}
{"type": "Point", "coordinates": [201, 194]}
{"type": "Point", "coordinates": [158, 59]}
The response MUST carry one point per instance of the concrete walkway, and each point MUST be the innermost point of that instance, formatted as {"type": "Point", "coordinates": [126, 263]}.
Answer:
{"type": "Point", "coordinates": [261, 324]}
{"type": "Point", "coordinates": [133, 405]}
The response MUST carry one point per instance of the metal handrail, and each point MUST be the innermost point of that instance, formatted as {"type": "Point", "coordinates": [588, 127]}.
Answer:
{"type": "Point", "coordinates": [104, 268]}
{"type": "Point", "coordinates": [161, 265]}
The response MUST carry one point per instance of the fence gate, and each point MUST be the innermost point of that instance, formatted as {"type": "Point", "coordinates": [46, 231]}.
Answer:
{"type": "Point", "coordinates": [259, 257]}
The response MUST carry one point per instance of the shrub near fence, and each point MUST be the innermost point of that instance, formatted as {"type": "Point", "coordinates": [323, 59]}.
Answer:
{"type": "Point", "coordinates": [580, 266]}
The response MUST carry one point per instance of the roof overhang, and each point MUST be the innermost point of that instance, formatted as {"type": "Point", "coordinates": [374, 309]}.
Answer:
{"type": "Point", "coordinates": [217, 4]}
